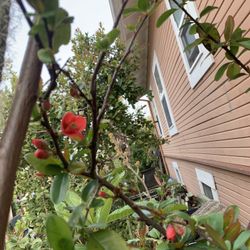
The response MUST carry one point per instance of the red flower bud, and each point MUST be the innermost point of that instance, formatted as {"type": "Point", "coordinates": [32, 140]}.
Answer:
{"type": "Point", "coordinates": [102, 194]}
{"type": "Point", "coordinates": [39, 143]}
{"type": "Point", "coordinates": [180, 230]}
{"type": "Point", "coordinates": [74, 92]}
{"type": "Point", "coordinates": [46, 105]}
{"type": "Point", "coordinates": [170, 232]}
{"type": "Point", "coordinates": [39, 174]}
{"type": "Point", "coordinates": [41, 154]}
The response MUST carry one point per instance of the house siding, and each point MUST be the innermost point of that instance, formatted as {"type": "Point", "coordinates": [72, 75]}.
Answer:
{"type": "Point", "coordinates": [213, 119]}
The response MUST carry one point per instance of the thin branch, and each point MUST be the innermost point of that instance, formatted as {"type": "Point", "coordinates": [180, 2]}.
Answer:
{"type": "Point", "coordinates": [132, 204]}
{"type": "Point", "coordinates": [54, 137]}
{"type": "Point", "coordinates": [93, 93]}
{"type": "Point", "coordinates": [74, 84]}
{"type": "Point", "coordinates": [224, 47]}
{"type": "Point", "coordinates": [128, 51]}
{"type": "Point", "coordinates": [27, 17]}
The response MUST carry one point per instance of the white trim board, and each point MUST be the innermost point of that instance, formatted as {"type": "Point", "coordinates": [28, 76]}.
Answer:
{"type": "Point", "coordinates": [203, 61]}
{"type": "Point", "coordinates": [173, 129]}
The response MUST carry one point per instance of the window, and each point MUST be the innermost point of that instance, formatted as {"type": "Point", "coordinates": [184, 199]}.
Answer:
{"type": "Point", "coordinates": [197, 60]}
{"type": "Point", "coordinates": [163, 97]}
{"type": "Point", "coordinates": [207, 184]}
{"type": "Point", "coordinates": [177, 172]}
{"type": "Point", "coordinates": [156, 118]}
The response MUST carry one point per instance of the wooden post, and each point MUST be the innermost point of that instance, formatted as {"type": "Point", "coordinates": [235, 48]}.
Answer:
{"type": "Point", "coordinates": [15, 130]}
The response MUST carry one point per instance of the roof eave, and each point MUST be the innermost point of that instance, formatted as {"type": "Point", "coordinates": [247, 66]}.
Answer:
{"type": "Point", "coordinates": [141, 41]}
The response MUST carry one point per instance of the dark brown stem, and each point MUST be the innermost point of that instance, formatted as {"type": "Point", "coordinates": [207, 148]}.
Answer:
{"type": "Point", "coordinates": [128, 51]}
{"type": "Point", "coordinates": [93, 91]}
{"type": "Point", "coordinates": [54, 137]}
{"type": "Point", "coordinates": [224, 47]}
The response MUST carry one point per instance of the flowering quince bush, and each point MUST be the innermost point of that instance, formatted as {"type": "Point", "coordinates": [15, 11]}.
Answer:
{"type": "Point", "coordinates": [90, 173]}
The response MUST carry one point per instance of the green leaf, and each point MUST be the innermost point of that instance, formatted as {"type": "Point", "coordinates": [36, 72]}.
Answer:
{"type": "Point", "coordinates": [51, 5]}
{"type": "Point", "coordinates": [58, 233]}
{"type": "Point", "coordinates": [143, 5]}
{"type": "Point", "coordinates": [77, 167]}
{"type": "Point", "coordinates": [80, 247]}
{"type": "Point", "coordinates": [216, 237]}
{"type": "Point", "coordinates": [97, 203]}
{"type": "Point", "coordinates": [106, 240]}
{"type": "Point", "coordinates": [105, 43]}
{"type": "Point", "coordinates": [131, 10]}
{"type": "Point", "coordinates": [120, 213]}
{"type": "Point", "coordinates": [174, 207]}
{"type": "Point", "coordinates": [194, 44]}
{"type": "Point", "coordinates": [154, 233]}
{"type": "Point", "coordinates": [38, 5]}
{"type": "Point", "coordinates": [193, 29]}
{"type": "Point", "coordinates": [221, 71]}
{"type": "Point", "coordinates": [62, 30]}
{"type": "Point", "coordinates": [89, 191]}
{"type": "Point", "coordinates": [229, 27]}
{"type": "Point", "coordinates": [241, 240]}
{"type": "Point", "coordinates": [46, 55]}
{"type": "Point", "coordinates": [59, 188]}
{"type": "Point", "coordinates": [35, 114]}
{"type": "Point", "coordinates": [73, 199]}
{"type": "Point", "coordinates": [214, 220]}
{"type": "Point", "coordinates": [232, 231]}
{"type": "Point", "coordinates": [76, 215]}
{"type": "Point", "coordinates": [233, 71]}
{"type": "Point", "coordinates": [163, 17]}
{"type": "Point", "coordinates": [237, 34]}
{"type": "Point", "coordinates": [104, 211]}
{"type": "Point", "coordinates": [245, 43]}
{"type": "Point", "coordinates": [51, 166]}
{"type": "Point", "coordinates": [164, 246]}
{"type": "Point", "coordinates": [207, 10]}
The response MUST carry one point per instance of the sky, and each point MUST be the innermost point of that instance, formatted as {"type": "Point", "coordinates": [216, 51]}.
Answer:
{"type": "Point", "coordinates": [87, 16]}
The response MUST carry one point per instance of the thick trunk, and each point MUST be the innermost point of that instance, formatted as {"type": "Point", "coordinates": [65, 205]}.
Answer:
{"type": "Point", "coordinates": [4, 25]}
{"type": "Point", "coordinates": [15, 130]}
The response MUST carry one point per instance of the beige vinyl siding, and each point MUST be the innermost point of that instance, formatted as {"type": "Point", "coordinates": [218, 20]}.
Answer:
{"type": "Point", "coordinates": [212, 114]}
{"type": "Point", "coordinates": [213, 119]}
{"type": "Point", "coordinates": [226, 183]}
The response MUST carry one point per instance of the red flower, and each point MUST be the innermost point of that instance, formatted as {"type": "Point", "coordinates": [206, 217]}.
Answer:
{"type": "Point", "coordinates": [39, 174]}
{"type": "Point", "coordinates": [73, 126]}
{"type": "Point", "coordinates": [41, 154]}
{"type": "Point", "coordinates": [39, 143]}
{"type": "Point", "coordinates": [46, 105]}
{"type": "Point", "coordinates": [170, 232]}
{"type": "Point", "coordinates": [102, 194]}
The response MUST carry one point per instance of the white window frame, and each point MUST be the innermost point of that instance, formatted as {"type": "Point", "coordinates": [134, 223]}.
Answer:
{"type": "Point", "coordinates": [157, 118]}
{"type": "Point", "coordinates": [208, 179]}
{"type": "Point", "coordinates": [173, 129]}
{"type": "Point", "coordinates": [177, 172]}
{"type": "Point", "coordinates": [204, 60]}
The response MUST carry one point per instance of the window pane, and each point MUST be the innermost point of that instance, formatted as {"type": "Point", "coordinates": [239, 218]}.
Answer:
{"type": "Point", "coordinates": [166, 111]}
{"type": "Point", "coordinates": [207, 191]}
{"type": "Point", "coordinates": [178, 175]}
{"type": "Point", "coordinates": [178, 14]}
{"type": "Point", "coordinates": [186, 40]}
{"type": "Point", "coordinates": [159, 125]}
{"type": "Point", "coordinates": [157, 79]}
